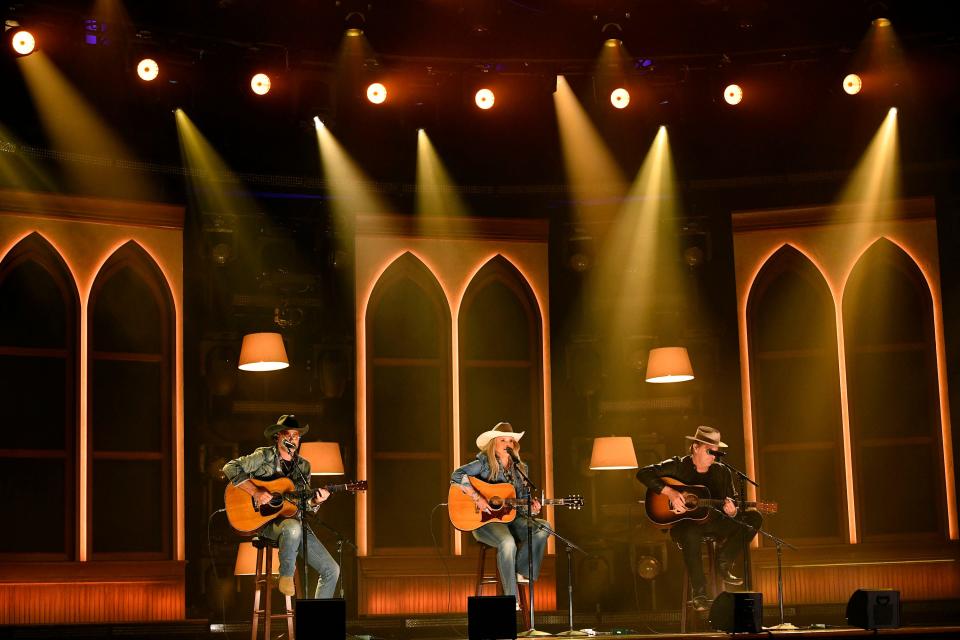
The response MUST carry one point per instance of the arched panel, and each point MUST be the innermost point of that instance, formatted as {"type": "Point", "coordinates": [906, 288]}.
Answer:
{"type": "Point", "coordinates": [130, 408]}
{"type": "Point", "coordinates": [893, 396]}
{"type": "Point", "coordinates": [39, 325]}
{"type": "Point", "coordinates": [501, 360]}
{"type": "Point", "coordinates": [408, 400]}
{"type": "Point", "coordinates": [795, 390]}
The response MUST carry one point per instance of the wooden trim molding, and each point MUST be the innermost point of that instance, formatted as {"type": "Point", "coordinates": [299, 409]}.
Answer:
{"type": "Point", "coordinates": [89, 209]}
{"type": "Point", "coordinates": [905, 209]}
{"type": "Point", "coordinates": [530, 230]}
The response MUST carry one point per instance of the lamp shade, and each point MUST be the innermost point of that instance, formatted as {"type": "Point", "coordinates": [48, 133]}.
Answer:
{"type": "Point", "coordinates": [324, 458]}
{"type": "Point", "coordinates": [247, 560]}
{"type": "Point", "coordinates": [669, 364]}
{"type": "Point", "coordinates": [263, 352]}
{"type": "Point", "coordinates": [613, 452]}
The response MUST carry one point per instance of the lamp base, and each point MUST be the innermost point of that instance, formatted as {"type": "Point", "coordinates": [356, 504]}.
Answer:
{"type": "Point", "coordinates": [532, 633]}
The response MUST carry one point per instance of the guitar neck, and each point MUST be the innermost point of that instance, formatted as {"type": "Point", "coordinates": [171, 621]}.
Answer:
{"type": "Point", "coordinates": [717, 502]}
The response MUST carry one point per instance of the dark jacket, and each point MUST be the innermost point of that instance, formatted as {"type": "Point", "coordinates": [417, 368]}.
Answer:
{"type": "Point", "coordinates": [717, 478]}
{"type": "Point", "coordinates": [264, 464]}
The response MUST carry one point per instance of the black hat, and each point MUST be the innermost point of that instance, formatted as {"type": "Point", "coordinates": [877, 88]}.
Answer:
{"type": "Point", "coordinates": [284, 423]}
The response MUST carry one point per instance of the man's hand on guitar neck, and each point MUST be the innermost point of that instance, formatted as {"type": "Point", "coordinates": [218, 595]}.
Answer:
{"type": "Point", "coordinates": [319, 496]}
{"type": "Point", "coordinates": [730, 507]}
{"type": "Point", "coordinates": [677, 502]}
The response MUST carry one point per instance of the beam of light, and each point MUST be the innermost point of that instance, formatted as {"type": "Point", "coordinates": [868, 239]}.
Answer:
{"type": "Point", "coordinates": [352, 192]}
{"type": "Point", "coordinates": [16, 170]}
{"type": "Point", "coordinates": [260, 84]}
{"type": "Point", "coordinates": [23, 42]}
{"type": "Point", "coordinates": [148, 70]}
{"type": "Point", "coordinates": [376, 93]}
{"type": "Point", "coordinates": [733, 94]}
{"type": "Point", "coordinates": [631, 263]}
{"type": "Point", "coordinates": [620, 98]}
{"type": "Point", "coordinates": [73, 126]}
{"type": "Point", "coordinates": [436, 194]}
{"type": "Point", "coordinates": [595, 180]}
{"type": "Point", "coordinates": [484, 98]}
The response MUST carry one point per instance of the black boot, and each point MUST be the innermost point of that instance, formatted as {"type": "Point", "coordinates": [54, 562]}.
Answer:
{"type": "Point", "coordinates": [699, 600]}
{"type": "Point", "coordinates": [726, 574]}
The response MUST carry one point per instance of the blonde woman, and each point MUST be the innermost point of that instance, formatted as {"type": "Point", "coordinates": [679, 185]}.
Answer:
{"type": "Point", "coordinates": [494, 464]}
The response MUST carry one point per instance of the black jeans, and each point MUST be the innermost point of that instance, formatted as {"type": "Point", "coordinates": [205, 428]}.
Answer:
{"type": "Point", "coordinates": [689, 535]}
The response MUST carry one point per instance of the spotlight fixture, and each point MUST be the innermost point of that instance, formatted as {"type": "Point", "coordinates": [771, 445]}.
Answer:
{"type": "Point", "coordinates": [880, 22]}
{"type": "Point", "coordinates": [260, 84]}
{"type": "Point", "coordinates": [852, 84]}
{"type": "Point", "coordinates": [484, 98]}
{"type": "Point", "coordinates": [23, 42]}
{"type": "Point", "coordinates": [733, 94]}
{"type": "Point", "coordinates": [148, 69]}
{"type": "Point", "coordinates": [620, 98]}
{"type": "Point", "coordinates": [377, 93]}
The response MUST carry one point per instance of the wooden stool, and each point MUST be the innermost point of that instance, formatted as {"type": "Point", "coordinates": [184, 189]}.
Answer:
{"type": "Point", "coordinates": [484, 577]}
{"type": "Point", "coordinates": [263, 591]}
{"type": "Point", "coordinates": [711, 548]}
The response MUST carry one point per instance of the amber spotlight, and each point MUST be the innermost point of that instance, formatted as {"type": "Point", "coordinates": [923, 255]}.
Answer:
{"type": "Point", "coordinates": [260, 84]}
{"type": "Point", "coordinates": [148, 70]}
{"type": "Point", "coordinates": [852, 84]}
{"type": "Point", "coordinates": [733, 94]}
{"type": "Point", "coordinates": [484, 98]}
{"type": "Point", "coordinates": [23, 42]}
{"type": "Point", "coordinates": [377, 93]}
{"type": "Point", "coordinates": [620, 98]}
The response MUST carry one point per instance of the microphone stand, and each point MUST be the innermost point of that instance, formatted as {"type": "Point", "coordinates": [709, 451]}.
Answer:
{"type": "Point", "coordinates": [744, 479]}
{"type": "Point", "coordinates": [569, 547]}
{"type": "Point", "coordinates": [532, 631]}
{"type": "Point", "coordinates": [301, 510]}
{"type": "Point", "coordinates": [341, 539]}
{"type": "Point", "coordinates": [780, 543]}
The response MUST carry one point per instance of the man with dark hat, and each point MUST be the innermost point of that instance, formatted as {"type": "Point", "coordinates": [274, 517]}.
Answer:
{"type": "Point", "coordinates": [698, 468]}
{"type": "Point", "coordinates": [281, 459]}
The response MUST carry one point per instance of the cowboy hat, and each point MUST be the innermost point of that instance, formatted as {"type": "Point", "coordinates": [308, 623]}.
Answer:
{"type": "Point", "coordinates": [284, 423]}
{"type": "Point", "coordinates": [500, 430]}
{"type": "Point", "coordinates": [707, 435]}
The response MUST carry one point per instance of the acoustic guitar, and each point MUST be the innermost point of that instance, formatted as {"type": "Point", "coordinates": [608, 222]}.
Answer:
{"type": "Point", "coordinates": [503, 501]}
{"type": "Point", "coordinates": [696, 498]}
{"type": "Point", "coordinates": [247, 517]}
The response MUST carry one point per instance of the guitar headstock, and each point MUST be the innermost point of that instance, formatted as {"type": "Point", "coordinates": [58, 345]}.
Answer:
{"type": "Point", "coordinates": [574, 501]}
{"type": "Point", "coordinates": [357, 485]}
{"type": "Point", "coordinates": [767, 507]}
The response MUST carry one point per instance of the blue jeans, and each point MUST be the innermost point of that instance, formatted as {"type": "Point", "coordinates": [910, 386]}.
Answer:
{"type": "Point", "coordinates": [287, 532]}
{"type": "Point", "coordinates": [507, 539]}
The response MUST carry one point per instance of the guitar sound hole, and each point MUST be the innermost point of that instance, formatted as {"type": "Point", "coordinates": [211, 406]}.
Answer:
{"type": "Point", "coordinates": [276, 501]}
{"type": "Point", "coordinates": [495, 503]}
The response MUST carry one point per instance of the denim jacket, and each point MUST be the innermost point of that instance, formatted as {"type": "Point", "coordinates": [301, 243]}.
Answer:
{"type": "Point", "coordinates": [480, 468]}
{"type": "Point", "coordinates": [264, 464]}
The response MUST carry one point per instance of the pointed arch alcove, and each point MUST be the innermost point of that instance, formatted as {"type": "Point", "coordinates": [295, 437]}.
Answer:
{"type": "Point", "coordinates": [795, 395]}
{"type": "Point", "coordinates": [408, 406]}
{"type": "Point", "coordinates": [500, 332]}
{"type": "Point", "coordinates": [130, 408]}
{"type": "Point", "coordinates": [39, 329]}
{"type": "Point", "coordinates": [891, 364]}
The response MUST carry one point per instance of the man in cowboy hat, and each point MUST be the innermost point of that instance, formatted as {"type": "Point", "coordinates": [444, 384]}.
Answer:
{"type": "Point", "coordinates": [495, 464]}
{"type": "Point", "coordinates": [698, 468]}
{"type": "Point", "coordinates": [281, 459]}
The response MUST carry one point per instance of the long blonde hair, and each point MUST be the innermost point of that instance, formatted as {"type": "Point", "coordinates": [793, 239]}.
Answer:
{"type": "Point", "coordinates": [494, 463]}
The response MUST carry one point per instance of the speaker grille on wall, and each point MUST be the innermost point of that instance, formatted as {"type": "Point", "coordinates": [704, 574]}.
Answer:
{"type": "Point", "coordinates": [324, 618]}
{"type": "Point", "coordinates": [874, 609]}
{"type": "Point", "coordinates": [491, 617]}
{"type": "Point", "coordinates": [737, 612]}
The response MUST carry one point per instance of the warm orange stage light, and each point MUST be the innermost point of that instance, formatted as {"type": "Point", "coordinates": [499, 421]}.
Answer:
{"type": "Point", "coordinates": [852, 84]}
{"type": "Point", "coordinates": [620, 98]}
{"type": "Point", "coordinates": [260, 84]}
{"type": "Point", "coordinates": [377, 93]}
{"type": "Point", "coordinates": [23, 42]}
{"type": "Point", "coordinates": [148, 70]}
{"type": "Point", "coordinates": [733, 94]}
{"type": "Point", "coordinates": [484, 98]}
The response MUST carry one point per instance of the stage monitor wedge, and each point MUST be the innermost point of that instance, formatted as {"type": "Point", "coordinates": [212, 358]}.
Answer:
{"type": "Point", "coordinates": [491, 617]}
{"type": "Point", "coordinates": [321, 619]}
{"type": "Point", "coordinates": [874, 609]}
{"type": "Point", "coordinates": [737, 612]}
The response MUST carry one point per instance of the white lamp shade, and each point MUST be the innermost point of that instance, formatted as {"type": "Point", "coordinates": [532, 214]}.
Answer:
{"type": "Point", "coordinates": [669, 364]}
{"type": "Point", "coordinates": [263, 352]}
{"type": "Point", "coordinates": [613, 452]}
{"type": "Point", "coordinates": [247, 560]}
{"type": "Point", "coordinates": [324, 458]}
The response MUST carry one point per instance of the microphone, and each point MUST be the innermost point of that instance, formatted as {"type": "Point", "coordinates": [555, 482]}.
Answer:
{"type": "Point", "coordinates": [513, 455]}
{"type": "Point", "coordinates": [289, 446]}
{"type": "Point", "coordinates": [716, 453]}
